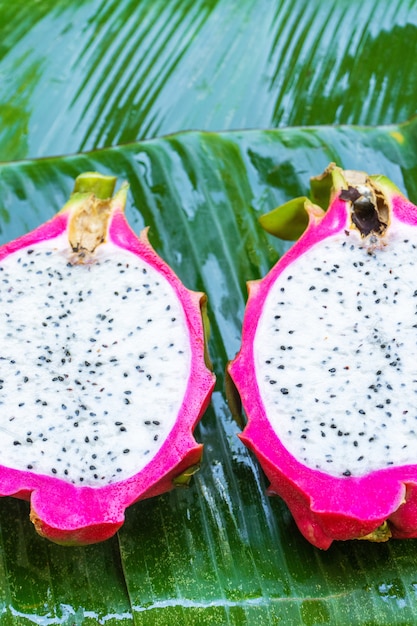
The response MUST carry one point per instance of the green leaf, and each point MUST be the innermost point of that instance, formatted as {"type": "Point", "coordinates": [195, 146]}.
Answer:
{"type": "Point", "coordinates": [287, 221]}
{"type": "Point", "coordinates": [84, 74]}
{"type": "Point", "coordinates": [221, 551]}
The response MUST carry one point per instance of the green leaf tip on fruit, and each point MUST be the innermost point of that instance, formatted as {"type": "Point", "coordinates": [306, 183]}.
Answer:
{"type": "Point", "coordinates": [101, 185]}
{"type": "Point", "coordinates": [184, 479]}
{"type": "Point", "coordinates": [287, 221]}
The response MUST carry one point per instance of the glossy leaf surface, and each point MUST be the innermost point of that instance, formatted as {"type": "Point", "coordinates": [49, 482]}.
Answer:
{"type": "Point", "coordinates": [220, 552]}
{"type": "Point", "coordinates": [84, 74]}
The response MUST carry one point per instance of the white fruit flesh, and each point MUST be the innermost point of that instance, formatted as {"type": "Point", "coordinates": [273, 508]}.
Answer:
{"type": "Point", "coordinates": [94, 363]}
{"type": "Point", "coordinates": [336, 354]}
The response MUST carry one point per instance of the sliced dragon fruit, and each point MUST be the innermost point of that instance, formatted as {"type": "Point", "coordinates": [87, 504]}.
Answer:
{"type": "Point", "coordinates": [103, 372]}
{"type": "Point", "coordinates": [327, 370]}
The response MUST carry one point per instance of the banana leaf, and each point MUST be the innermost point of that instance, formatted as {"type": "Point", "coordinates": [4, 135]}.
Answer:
{"type": "Point", "coordinates": [84, 74]}
{"type": "Point", "coordinates": [221, 551]}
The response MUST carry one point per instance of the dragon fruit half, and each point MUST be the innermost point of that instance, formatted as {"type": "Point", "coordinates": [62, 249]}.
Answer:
{"type": "Point", "coordinates": [103, 372]}
{"type": "Point", "coordinates": [327, 370]}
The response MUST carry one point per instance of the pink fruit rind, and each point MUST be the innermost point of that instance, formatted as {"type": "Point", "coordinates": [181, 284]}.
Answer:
{"type": "Point", "coordinates": [324, 507]}
{"type": "Point", "coordinates": [77, 515]}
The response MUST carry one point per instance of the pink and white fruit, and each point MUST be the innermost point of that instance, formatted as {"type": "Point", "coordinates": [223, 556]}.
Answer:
{"type": "Point", "coordinates": [327, 369]}
{"type": "Point", "coordinates": [102, 368]}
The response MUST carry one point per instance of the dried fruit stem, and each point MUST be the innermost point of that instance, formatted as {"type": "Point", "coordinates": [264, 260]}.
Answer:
{"type": "Point", "coordinates": [90, 218]}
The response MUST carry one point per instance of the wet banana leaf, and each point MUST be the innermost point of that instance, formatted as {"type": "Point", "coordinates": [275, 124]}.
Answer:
{"type": "Point", "coordinates": [220, 551]}
{"type": "Point", "coordinates": [84, 74]}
